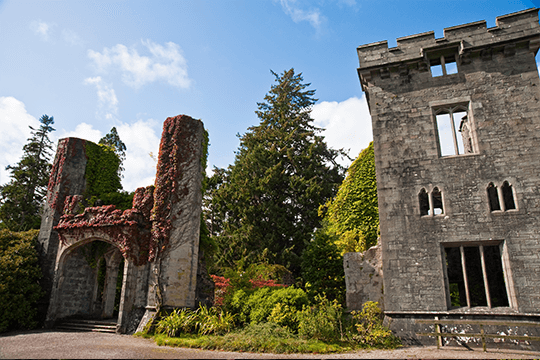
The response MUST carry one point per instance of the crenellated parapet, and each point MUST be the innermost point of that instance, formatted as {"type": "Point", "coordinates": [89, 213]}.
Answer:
{"type": "Point", "coordinates": [517, 32]}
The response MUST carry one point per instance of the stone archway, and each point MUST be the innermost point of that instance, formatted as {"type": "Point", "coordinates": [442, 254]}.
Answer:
{"type": "Point", "coordinates": [83, 291]}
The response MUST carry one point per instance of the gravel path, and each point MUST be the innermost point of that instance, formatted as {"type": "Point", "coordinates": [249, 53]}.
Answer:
{"type": "Point", "coordinates": [78, 345]}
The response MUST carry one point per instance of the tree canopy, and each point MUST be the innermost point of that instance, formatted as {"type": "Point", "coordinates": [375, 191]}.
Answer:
{"type": "Point", "coordinates": [21, 199]}
{"type": "Point", "coordinates": [353, 215]}
{"type": "Point", "coordinates": [283, 170]}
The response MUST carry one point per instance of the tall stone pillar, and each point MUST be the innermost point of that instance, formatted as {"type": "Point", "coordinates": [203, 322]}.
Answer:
{"type": "Point", "coordinates": [67, 178]}
{"type": "Point", "coordinates": [176, 215]}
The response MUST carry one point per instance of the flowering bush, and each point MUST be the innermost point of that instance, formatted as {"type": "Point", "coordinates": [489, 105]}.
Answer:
{"type": "Point", "coordinates": [260, 282]}
{"type": "Point", "coordinates": [223, 288]}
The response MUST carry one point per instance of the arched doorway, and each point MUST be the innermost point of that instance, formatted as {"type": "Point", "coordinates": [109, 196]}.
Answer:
{"type": "Point", "coordinates": [90, 281]}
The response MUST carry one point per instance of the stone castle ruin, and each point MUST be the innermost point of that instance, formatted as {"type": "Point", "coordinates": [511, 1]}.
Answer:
{"type": "Point", "coordinates": [456, 128]}
{"type": "Point", "coordinates": [152, 250]}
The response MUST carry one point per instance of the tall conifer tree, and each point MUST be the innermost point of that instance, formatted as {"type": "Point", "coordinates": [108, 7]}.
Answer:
{"type": "Point", "coordinates": [21, 199]}
{"type": "Point", "coordinates": [282, 172]}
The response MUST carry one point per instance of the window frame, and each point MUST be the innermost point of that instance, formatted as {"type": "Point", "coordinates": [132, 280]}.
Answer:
{"type": "Point", "coordinates": [441, 61]}
{"type": "Point", "coordinates": [451, 109]}
{"type": "Point", "coordinates": [502, 197]}
{"type": "Point", "coordinates": [504, 263]}
{"type": "Point", "coordinates": [432, 202]}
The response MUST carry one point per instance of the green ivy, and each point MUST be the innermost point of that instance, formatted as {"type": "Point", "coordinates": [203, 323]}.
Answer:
{"type": "Point", "coordinates": [19, 280]}
{"type": "Point", "coordinates": [353, 215]}
{"type": "Point", "coordinates": [101, 170]}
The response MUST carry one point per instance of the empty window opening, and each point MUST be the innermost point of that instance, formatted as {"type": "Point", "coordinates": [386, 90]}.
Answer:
{"type": "Point", "coordinates": [423, 199]}
{"type": "Point", "coordinates": [443, 65]}
{"type": "Point", "coordinates": [430, 203]}
{"type": "Point", "coordinates": [475, 276]}
{"type": "Point", "coordinates": [437, 201]}
{"type": "Point", "coordinates": [508, 196]}
{"type": "Point", "coordinates": [493, 197]}
{"type": "Point", "coordinates": [450, 121]}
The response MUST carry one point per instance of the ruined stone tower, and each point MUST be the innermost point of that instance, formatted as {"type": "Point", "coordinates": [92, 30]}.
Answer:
{"type": "Point", "coordinates": [456, 129]}
{"type": "Point", "coordinates": [152, 249]}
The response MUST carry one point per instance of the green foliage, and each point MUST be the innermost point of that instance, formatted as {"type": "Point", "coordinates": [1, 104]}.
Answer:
{"type": "Point", "coordinates": [263, 301]}
{"type": "Point", "coordinates": [214, 321]}
{"type": "Point", "coordinates": [123, 200]}
{"type": "Point", "coordinates": [323, 321]}
{"type": "Point", "coordinates": [19, 276]}
{"type": "Point", "coordinates": [353, 215]}
{"type": "Point", "coordinates": [112, 140]}
{"type": "Point", "coordinates": [102, 171]}
{"type": "Point", "coordinates": [204, 321]}
{"type": "Point", "coordinates": [243, 279]}
{"type": "Point", "coordinates": [283, 171]}
{"type": "Point", "coordinates": [265, 337]}
{"type": "Point", "coordinates": [178, 322]}
{"type": "Point", "coordinates": [368, 329]}
{"type": "Point", "coordinates": [21, 199]}
{"type": "Point", "coordinates": [322, 267]}
{"type": "Point", "coordinates": [284, 315]}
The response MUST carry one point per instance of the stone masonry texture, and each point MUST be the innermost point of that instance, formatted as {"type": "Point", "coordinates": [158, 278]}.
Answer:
{"type": "Point", "coordinates": [497, 83]}
{"type": "Point", "coordinates": [157, 272]}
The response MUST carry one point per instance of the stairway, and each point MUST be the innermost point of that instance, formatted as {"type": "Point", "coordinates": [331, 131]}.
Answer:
{"type": "Point", "coordinates": [106, 326]}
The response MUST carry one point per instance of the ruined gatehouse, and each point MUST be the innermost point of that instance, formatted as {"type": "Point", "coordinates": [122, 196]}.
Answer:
{"type": "Point", "coordinates": [456, 130]}
{"type": "Point", "coordinates": [153, 247]}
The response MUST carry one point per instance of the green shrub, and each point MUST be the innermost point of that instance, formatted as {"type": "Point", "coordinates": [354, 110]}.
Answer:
{"type": "Point", "coordinates": [323, 321]}
{"type": "Point", "coordinates": [368, 330]}
{"type": "Point", "coordinates": [262, 302]}
{"type": "Point", "coordinates": [239, 306]}
{"type": "Point", "coordinates": [285, 316]}
{"type": "Point", "coordinates": [19, 280]}
{"type": "Point", "coordinates": [322, 267]}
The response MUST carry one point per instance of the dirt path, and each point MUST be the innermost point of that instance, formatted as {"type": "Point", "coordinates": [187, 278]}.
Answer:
{"type": "Point", "coordinates": [73, 345]}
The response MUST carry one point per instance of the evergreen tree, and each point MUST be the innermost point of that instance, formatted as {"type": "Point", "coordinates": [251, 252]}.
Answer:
{"type": "Point", "coordinates": [21, 199]}
{"type": "Point", "coordinates": [353, 215]}
{"type": "Point", "coordinates": [282, 172]}
{"type": "Point", "coordinates": [322, 267]}
{"type": "Point", "coordinates": [112, 140]}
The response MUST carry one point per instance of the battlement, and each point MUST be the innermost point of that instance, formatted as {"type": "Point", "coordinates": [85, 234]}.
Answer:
{"type": "Point", "coordinates": [511, 28]}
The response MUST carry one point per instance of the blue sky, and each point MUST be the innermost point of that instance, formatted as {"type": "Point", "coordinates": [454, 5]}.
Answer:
{"type": "Point", "coordinates": [131, 64]}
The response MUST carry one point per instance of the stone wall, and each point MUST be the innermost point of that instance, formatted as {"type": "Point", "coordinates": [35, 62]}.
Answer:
{"type": "Point", "coordinates": [77, 287]}
{"type": "Point", "coordinates": [364, 278]}
{"type": "Point", "coordinates": [497, 86]}
{"type": "Point", "coordinates": [158, 237]}
{"type": "Point", "coordinates": [67, 178]}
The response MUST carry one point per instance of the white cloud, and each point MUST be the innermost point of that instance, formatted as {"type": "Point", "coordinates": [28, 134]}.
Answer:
{"type": "Point", "coordinates": [347, 124]}
{"type": "Point", "coordinates": [42, 29]}
{"type": "Point", "coordinates": [166, 63]}
{"type": "Point", "coordinates": [82, 131]}
{"type": "Point", "coordinates": [314, 17]}
{"type": "Point", "coordinates": [15, 133]}
{"type": "Point", "coordinates": [141, 140]}
{"type": "Point", "coordinates": [71, 37]}
{"type": "Point", "coordinates": [107, 100]}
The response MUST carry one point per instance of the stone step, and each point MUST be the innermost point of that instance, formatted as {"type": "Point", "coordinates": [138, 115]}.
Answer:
{"type": "Point", "coordinates": [88, 325]}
